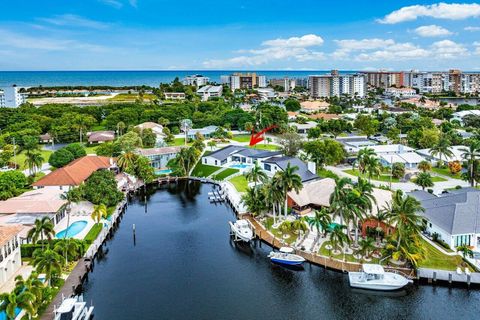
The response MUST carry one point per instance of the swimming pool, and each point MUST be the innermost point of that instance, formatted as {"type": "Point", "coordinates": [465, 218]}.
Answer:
{"type": "Point", "coordinates": [74, 229]}
{"type": "Point", "coordinates": [240, 166]}
{"type": "Point", "coordinates": [163, 171]}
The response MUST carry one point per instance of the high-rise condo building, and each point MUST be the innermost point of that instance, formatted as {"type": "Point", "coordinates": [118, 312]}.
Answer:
{"type": "Point", "coordinates": [334, 85]}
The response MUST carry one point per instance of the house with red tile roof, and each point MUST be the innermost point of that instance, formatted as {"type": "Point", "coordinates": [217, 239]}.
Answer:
{"type": "Point", "coordinates": [10, 257]}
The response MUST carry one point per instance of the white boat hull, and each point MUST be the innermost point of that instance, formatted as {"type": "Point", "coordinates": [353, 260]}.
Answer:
{"type": "Point", "coordinates": [389, 282]}
{"type": "Point", "coordinates": [241, 233]}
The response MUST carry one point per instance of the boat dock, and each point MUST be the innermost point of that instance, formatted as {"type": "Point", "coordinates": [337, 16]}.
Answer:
{"type": "Point", "coordinates": [80, 273]}
{"type": "Point", "coordinates": [432, 276]}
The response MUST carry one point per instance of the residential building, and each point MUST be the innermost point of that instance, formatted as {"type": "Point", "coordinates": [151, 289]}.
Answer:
{"type": "Point", "coordinates": [313, 106]}
{"type": "Point", "coordinates": [10, 256]}
{"type": "Point", "coordinates": [454, 217]}
{"type": "Point", "coordinates": [397, 153]}
{"type": "Point", "coordinates": [244, 81]}
{"type": "Point", "coordinates": [10, 97]}
{"type": "Point", "coordinates": [303, 128]}
{"type": "Point", "coordinates": [174, 95]}
{"type": "Point", "coordinates": [75, 173]}
{"type": "Point", "coordinates": [266, 94]}
{"type": "Point", "coordinates": [401, 93]}
{"type": "Point", "coordinates": [196, 80]}
{"type": "Point", "coordinates": [286, 83]}
{"type": "Point", "coordinates": [207, 132]}
{"type": "Point", "coordinates": [156, 128]}
{"type": "Point", "coordinates": [100, 136]}
{"type": "Point", "coordinates": [208, 91]}
{"type": "Point", "coordinates": [335, 85]}
{"type": "Point", "coordinates": [436, 82]}
{"type": "Point", "coordinates": [354, 144]}
{"type": "Point", "coordinates": [456, 154]}
{"type": "Point", "coordinates": [458, 116]}
{"type": "Point", "coordinates": [33, 205]}
{"type": "Point", "coordinates": [159, 157]}
{"type": "Point", "coordinates": [384, 79]}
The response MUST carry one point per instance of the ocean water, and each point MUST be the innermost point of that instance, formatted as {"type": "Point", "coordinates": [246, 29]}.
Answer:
{"type": "Point", "coordinates": [122, 78]}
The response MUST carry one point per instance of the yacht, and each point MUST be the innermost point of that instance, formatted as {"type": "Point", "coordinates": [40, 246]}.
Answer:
{"type": "Point", "coordinates": [374, 277]}
{"type": "Point", "coordinates": [285, 256]}
{"type": "Point", "coordinates": [73, 309]}
{"type": "Point", "coordinates": [241, 230]}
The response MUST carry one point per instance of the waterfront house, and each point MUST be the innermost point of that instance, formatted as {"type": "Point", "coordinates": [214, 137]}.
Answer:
{"type": "Point", "coordinates": [10, 257]}
{"type": "Point", "coordinates": [208, 91]}
{"type": "Point", "coordinates": [159, 157]}
{"type": "Point", "coordinates": [456, 154]}
{"type": "Point", "coordinates": [454, 216]}
{"type": "Point", "coordinates": [75, 173]}
{"type": "Point", "coordinates": [278, 163]}
{"type": "Point", "coordinates": [100, 136]}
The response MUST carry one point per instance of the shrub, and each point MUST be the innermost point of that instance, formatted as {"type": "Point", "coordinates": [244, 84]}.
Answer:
{"type": "Point", "coordinates": [398, 170]}
{"type": "Point", "coordinates": [61, 158]}
{"type": "Point", "coordinates": [454, 167]}
{"type": "Point", "coordinates": [77, 150]}
{"type": "Point", "coordinates": [101, 187]}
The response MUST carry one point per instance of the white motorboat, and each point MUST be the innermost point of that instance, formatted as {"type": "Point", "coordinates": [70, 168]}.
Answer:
{"type": "Point", "coordinates": [285, 256]}
{"type": "Point", "coordinates": [374, 277]}
{"type": "Point", "coordinates": [73, 309]}
{"type": "Point", "coordinates": [242, 230]}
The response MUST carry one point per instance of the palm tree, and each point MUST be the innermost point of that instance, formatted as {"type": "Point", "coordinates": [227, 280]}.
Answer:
{"type": "Point", "coordinates": [339, 194]}
{"type": "Point", "coordinates": [298, 225]}
{"type": "Point", "coordinates": [48, 262]}
{"type": "Point", "coordinates": [364, 198]}
{"type": "Point", "coordinates": [68, 249]}
{"type": "Point", "coordinates": [442, 149]}
{"type": "Point", "coordinates": [363, 157]}
{"type": "Point", "coordinates": [11, 301]}
{"type": "Point", "coordinates": [373, 168]}
{"type": "Point", "coordinates": [465, 250]}
{"type": "Point", "coordinates": [367, 245]}
{"type": "Point", "coordinates": [33, 162]}
{"type": "Point", "coordinates": [126, 161]}
{"type": "Point", "coordinates": [212, 144]}
{"type": "Point", "coordinates": [288, 180]}
{"type": "Point", "coordinates": [186, 159]}
{"type": "Point", "coordinates": [42, 228]}
{"type": "Point", "coordinates": [256, 174]}
{"type": "Point", "coordinates": [338, 236]}
{"type": "Point", "coordinates": [424, 166]}
{"type": "Point", "coordinates": [254, 201]}
{"type": "Point", "coordinates": [272, 197]}
{"type": "Point", "coordinates": [409, 248]}
{"type": "Point", "coordinates": [471, 155]}
{"type": "Point", "coordinates": [32, 285]}
{"type": "Point", "coordinates": [403, 213]}
{"type": "Point", "coordinates": [424, 180]}
{"type": "Point", "coordinates": [320, 221]}
{"type": "Point", "coordinates": [99, 212]}
{"type": "Point", "coordinates": [120, 128]}
{"type": "Point", "coordinates": [285, 227]}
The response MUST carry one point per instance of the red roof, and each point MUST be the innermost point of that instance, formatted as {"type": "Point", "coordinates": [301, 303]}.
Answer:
{"type": "Point", "coordinates": [75, 172]}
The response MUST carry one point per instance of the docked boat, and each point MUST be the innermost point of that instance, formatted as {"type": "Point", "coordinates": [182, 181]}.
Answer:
{"type": "Point", "coordinates": [73, 309]}
{"type": "Point", "coordinates": [374, 277]}
{"type": "Point", "coordinates": [285, 256]}
{"type": "Point", "coordinates": [241, 230]}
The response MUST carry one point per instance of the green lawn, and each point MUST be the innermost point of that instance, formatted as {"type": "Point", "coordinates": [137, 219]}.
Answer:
{"type": "Point", "coordinates": [240, 183]}
{"type": "Point", "coordinates": [324, 173]}
{"type": "Point", "coordinates": [203, 170]}
{"type": "Point", "coordinates": [438, 179]}
{"type": "Point", "coordinates": [224, 174]}
{"type": "Point", "coordinates": [91, 149]}
{"type": "Point", "coordinates": [382, 177]}
{"type": "Point", "coordinates": [278, 234]}
{"type": "Point", "coordinates": [434, 259]}
{"type": "Point", "coordinates": [93, 233]}
{"type": "Point", "coordinates": [242, 138]}
{"type": "Point", "coordinates": [20, 158]}
{"type": "Point", "coordinates": [348, 257]}
{"type": "Point", "coordinates": [270, 147]}
{"type": "Point", "coordinates": [132, 97]}
{"type": "Point", "coordinates": [446, 172]}
{"type": "Point", "coordinates": [178, 142]}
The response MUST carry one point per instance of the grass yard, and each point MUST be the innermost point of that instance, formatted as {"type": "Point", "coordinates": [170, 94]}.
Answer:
{"type": "Point", "coordinates": [446, 172]}
{"type": "Point", "coordinates": [225, 174]}
{"type": "Point", "coordinates": [203, 170]}
{"type": "Point", "coordinates": [240, 183]}
{"type": "Point", "coordinates": [241, 138]}
{"type": "Point", "coordinates": [348, 257]}
{"type": "Point", "coordinates": [93, 233]}
{"type": "Point", "coordinates": [178, 142]}
{"type": "Point", "coordinates": [270, 147]}
{"type": "Point", "coordinates": [434, 259]}
{"type": "Point", "coordinates": [438, 179]}
{"type": "Point", "coordinates": [91, 149]}
{"type": "Point", "coordinates": [382, 177]}
{"type": "Point", "coordinates": [20, 158]}
{"type": "Point", "coordinates": [125, 97]}
{"type": "Point", "coordinates": [292, 236]}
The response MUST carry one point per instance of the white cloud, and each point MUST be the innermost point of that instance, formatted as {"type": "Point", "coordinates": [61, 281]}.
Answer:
{"type": "Point", "coordinates": [71, 20]}
{"type": "Point", "coordinates": [472, 29]}
{"type": "Point", "coordinates": [448, 11]}
{"type": "Point", "coordinates": [448, 49]}
{"type": "Point", "coordinates": [113, 3]}
{"type": "Point", "coordinates": [364, 44]}
{"type": "Point", "coordinates": [394, 52]}
{"type": "Point", "coordinates": [294, 48]}
{"type": "Point", "coordinates": [477, 47]}
{"type": "Point", "coordinates": [432, 31]}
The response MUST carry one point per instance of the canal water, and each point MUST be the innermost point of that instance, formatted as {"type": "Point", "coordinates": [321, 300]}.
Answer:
{"type": "Point", "coordinates": [183, 265]}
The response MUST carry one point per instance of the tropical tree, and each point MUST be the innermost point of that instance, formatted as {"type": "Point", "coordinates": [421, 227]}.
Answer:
{"type": "Point", "coordinates": [254, 201]}
{"type": "Point", "coordinates": [69, 248]}
{"type": "Point", "coordinates": [465, 250]}
{"type": "Point", "coordinates": [185, 160]}
{"type": "Point", "coordinates": [373, 167]}
{"type": "Point", "coordinates": [408, 248]}
{"type": "Point", "coordinates": [273, 196]}
{"type": "Point", "coordinates": [120, 128]}
{"type": "Point", "coordinates": [212, 144]}
{"type": "Point", "coordinates": [338, 236]}
{"type": "Point", "coordinates": [126, 162]}
{"type": "Point", "coordinates": [337, 199]}
{"type": "Point", "coordinates": [321, 220]}
{"type": "Point", "coordinates": [42, 228]}
{"type": "Point", "coordinates": [424, 166]}
{"type": "Point", "coordinates": [442, 149]}
{"type": "Point", "coordinates": [48, 262]}
{"type": "Point", "coordinates": [366, 246]}
{"type": "Point", "coordinates": [285, 227]}
{"type": "Point", "coordinates": [471, 155]}
{"type": "Point", "coordinates": [363, 157]}
{"type": "Point", "coordinates": [424, 180]}
{"type": "Point", "coordinates": [364, 199]}
{"type": "Point", "coordinates": [298, 225]}
{"type": "Point", "coordinates": [33, 162]}
{"type": "Point", "coordinates": [99, 212]}
{"type": "Point", "coordinates": [289, 180]}
{"type": "Point", "coordinates": [11, 301]}
{"type": "Point", "coordinates": [256, 175]}
{"type": "Point", "coordinates": [32, 285]}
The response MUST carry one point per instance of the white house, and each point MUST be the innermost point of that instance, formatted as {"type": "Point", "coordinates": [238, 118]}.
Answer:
{"type": "Point", "coordinates": [266, 94]}
{"type": "Point", "coordinates": [354, 144]}
{"type": "Point", "coordinates": [10, 257]}
{"type": "Point", "coordinates": [10, 97]}
{"type": "Point", "coordinates": [397, 153]}
{"type": "Point", "coordinates": [454, 217]}
{"type": "Point", "coordinates": [174, 95]}
{"type": "Point", "coordinates": [157, 129]}
{"type": "Point", "coordinates": [401, 92]}
{"type": "Point", "coordinates": [456, 154]}
{"type": "Point", "coordinates": [196, 80]}
{"type": "Point", "coordinates": [458, 116]}
{"type": "Point", "coordinates": [207, 92]}
{"type": "Point", "coordinates": [303, 128]}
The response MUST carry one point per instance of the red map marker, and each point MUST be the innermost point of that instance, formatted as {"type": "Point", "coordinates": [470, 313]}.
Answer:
{"type": "Point", "coordinates": [258, 137]}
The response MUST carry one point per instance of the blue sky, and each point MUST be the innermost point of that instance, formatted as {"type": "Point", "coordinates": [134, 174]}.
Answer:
{"type": "Point", "coordinates": [246, 34]}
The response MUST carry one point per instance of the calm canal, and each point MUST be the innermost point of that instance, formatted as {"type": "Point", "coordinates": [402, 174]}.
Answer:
{"type": "Point", "coordinates": [184, 266]}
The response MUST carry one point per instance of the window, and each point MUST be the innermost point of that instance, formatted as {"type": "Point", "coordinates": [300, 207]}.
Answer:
{"type": "Point", "coordinates": [216, 162]}
{"type": "Point", "coordinates": [205, 161]}
{"type": "Point", "coordinates": [267, 167]}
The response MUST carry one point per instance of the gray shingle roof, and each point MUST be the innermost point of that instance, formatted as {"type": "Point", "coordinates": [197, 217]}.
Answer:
{"type": "Point", "coordinates": [456, 213]}
{"type": "Point", "coordinates": [303, 171]}
{"type": "Point", "coordinates": [224, 153]}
